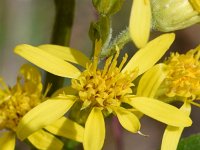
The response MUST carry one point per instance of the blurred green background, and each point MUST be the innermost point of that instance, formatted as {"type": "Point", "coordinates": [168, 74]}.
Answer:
{"type": "Point", "coordinates": [31, 22]}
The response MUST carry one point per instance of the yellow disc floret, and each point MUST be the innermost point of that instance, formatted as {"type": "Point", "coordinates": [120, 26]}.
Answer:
{"type": "Point", "coordinates": [104, 87]}
{"type": "Point", "coordinates": [183, 74]}
{"type": "Point", "coordinates": [15, 102]}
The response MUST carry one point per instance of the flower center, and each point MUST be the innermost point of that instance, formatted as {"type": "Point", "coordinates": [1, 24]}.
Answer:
{"type": "Point", "coordinates": [183, 75]}
{"type": "Point", "coordinates": [106, 87]}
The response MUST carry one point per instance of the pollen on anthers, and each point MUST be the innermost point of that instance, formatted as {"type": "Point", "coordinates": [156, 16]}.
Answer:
{"type": "Point", "coordinates": [104, 87]}
{"type": "Point", "coordinates": [183, 75]}
{"type": "Point", "coordinates": [15, 102]}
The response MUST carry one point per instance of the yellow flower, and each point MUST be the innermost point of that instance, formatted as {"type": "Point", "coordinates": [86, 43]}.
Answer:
{"type": "Point", "coordinates": [182, 80]}
{"type": "Point", "coordinates": [183, 77]}
{"type": "Point", "coordinates": [15, 102]}
{"type": "Point", "coordinates": [176, 79]}
{"type": "Point", "coordinates": [101, 90]}
{"type": "Point", "coordinates": [161, 15]}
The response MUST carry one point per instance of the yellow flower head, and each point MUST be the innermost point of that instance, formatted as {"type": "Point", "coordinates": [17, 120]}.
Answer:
{"type": "Point", "coordinates": [106, 87]}
{"type": "Point", "coordinates": [183, 78]}
{"type": "Point", "coordinates": [100, 89]}
{"type": "Point", "coordinates": [15, 102]}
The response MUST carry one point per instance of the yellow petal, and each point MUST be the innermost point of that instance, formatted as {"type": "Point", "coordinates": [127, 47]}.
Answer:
{"type": "Point", "coordinates": [94, 130]}
{"type": "Point", "coordinates": [140, 22]}
{"type": "Point", "coordinates": [7, 141]}
{"type": "Point", "coordinates": [42, 115]}
{"type": "Point", "coordinates": [45, 141]}
{"type": "Point", "coordinates": [66, 53]}
{"type": "Point", "coordinates": [47, 61]}
{"type": "Point", "coordinates": [67, 128]}
{"type": "Point", "coordinates": [151, 80]}
{"type": "Point", "coordinates": [146, 57]}
{"type": "Point", "coordinates": [161, 111]}
{"type": "Point", "coordinates": [172, 134]}
{"type": "Point", "coordinates": [128, 120]}
{"type": "Point", "coordinates": [195, 4]}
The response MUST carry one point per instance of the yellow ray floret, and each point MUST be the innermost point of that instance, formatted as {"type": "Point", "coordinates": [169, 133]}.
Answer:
{"type": "Point", "coordinates": [195, 4]}
{"type": "Point", "coordinates": [140, 22]}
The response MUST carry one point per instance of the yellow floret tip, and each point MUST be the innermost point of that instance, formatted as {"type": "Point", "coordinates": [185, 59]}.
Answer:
{"type": "Point", "coordinates": [195, 4]}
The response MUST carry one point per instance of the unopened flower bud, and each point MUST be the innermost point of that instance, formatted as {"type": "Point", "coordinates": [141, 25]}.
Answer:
{"type": "Point", "coordinates": [173, 15]}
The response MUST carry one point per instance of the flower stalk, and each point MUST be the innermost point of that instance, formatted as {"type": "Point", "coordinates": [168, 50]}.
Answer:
{"type": "Point", "coordinates": [61, 36]}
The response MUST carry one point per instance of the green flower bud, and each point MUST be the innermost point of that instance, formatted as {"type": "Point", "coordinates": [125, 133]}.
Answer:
{"type": "Point", "coordinates": [171, 15]}
{"type": "Point", "coordinates": [108, 7]}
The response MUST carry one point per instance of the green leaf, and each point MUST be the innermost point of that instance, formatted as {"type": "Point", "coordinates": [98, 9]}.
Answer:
{"type": "Point", "coordinates": [190, 143]}
{"type": "Point", "coordinates": [108, 7]}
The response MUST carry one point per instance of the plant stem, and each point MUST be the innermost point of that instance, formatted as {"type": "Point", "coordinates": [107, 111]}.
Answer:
{"type": "Point", "coordinates": [122, 39]}
{"type": "Point", "coordinates": [61, 36]}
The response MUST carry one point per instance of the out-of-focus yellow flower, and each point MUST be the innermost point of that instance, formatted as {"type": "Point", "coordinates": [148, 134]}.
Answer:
{"type": "Point", "coordinates": [17, 101]}
{"type": "Point", "coordinates": [182, 81]}
{"type": "Point", "coordinates": [100, 90]}
{"type": "Point", "coordinates": [174, 15]}
{"type": "Point", "coordinates": [178, 79]}
{"type": "Point", "coordinates": [183, 78]}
